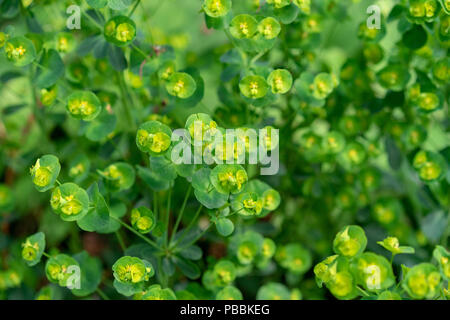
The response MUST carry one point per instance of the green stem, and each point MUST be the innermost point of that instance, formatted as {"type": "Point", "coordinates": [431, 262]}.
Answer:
{"type": "Point", "coordinates": [120, 239]}
{"type": "Point", "coordinates": [256, 58]}
{"type": "Point", "coordinates": [134, 8]}
{"type": "Point", "coordinates": [150, 242]}
{"type": "Point", "coordinates": [126, 106]}
{"type": "Point", "coordinates": [169, 198]}
{"type": "Point", "coordinates": [46, 255]}
{"type": "Point", "coordinates": [198, 237]}
{"type": "Point", "coordinates": [363, 292]}
{"type": "Point", "coordinates": [102, 294]}
{"type": "Point", "coordinates": [180, 215]}
{"type": "Point", "coordinates": [191, 224]}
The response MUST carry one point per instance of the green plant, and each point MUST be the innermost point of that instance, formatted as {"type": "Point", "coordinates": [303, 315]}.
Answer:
{"type": "Point", "coordinates": [111, 162]}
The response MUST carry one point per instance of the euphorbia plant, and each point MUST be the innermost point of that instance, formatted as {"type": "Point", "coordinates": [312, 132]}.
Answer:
{"type": "Point", "coordinates": [112, 163]}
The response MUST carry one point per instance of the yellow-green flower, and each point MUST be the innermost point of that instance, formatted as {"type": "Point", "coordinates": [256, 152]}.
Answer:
{"type": "Point", "coordinates": [243, 26]}
{"type": "Point", "coordinates": [304, 5]}
{"type": "Point", "coordinates": [280, 81]}
{"type": "Point", "coordinates": [181, 85]}
{"type": "Point", "coordinates": [84, 105]}
{"type": "Point", "coordinates": [254, 87]}
{"type": "Point", "coordinates": [45, 172]}
{"type": "Point", "coordinates": [70, 201]}
{"type": "Point", "coordinates": [154, 137]}
{"type": "Point", "coordinates": [20, 51]}
{"type": "Point", "coordinates": [422, 281]}
{"type": "Point", "coordinates": [350, 241]}
{"type": "Point", "coordinates": [228, 178]}
{"type": "Point", "coordinates": [142, 219]}
{"type": "Point", "coordinates": [279, 3]}
{"type": "Point", "coordinates": [120, 30]}
{"type": "Point", "coordinates": [216, 8]}
{"type": "Point", "coordinates": [269, 28]}
{"type": "Point", "coordinates": [392, 244]}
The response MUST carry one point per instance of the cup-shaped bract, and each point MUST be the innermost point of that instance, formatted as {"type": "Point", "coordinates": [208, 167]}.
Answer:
{"type": "Point", "coordinates": [247, 204]}
{"type": "Point", "coordinates": [393, 245]}
{"type": "Point", "coordinates": [387, 210]}
{"type": "Point", "coordinates": [202, 129]}
{"type": "Point", "coordinates": [373, 272]}
{"type": "Point", "coordinates": [294, 257]}
{"type": "Point", "coordinates": [246, 252]}
{"type": "Point", "coordinates": [333, 142]}
{"type": "Point", "coordinates": [420, 11]}
{"type": "Point", "coordinates": [243, 26]}
{"type": "Point", "coordinates": [181, 85]}
{"type": "Point", "coordinates": [441, 70]}
{"type": "Point", "coordinates": [280, 81]}
{"type": "Point", "coordinates": [350, 241]}
{"type": "Point", "coordinates": [271, 199]}
{"type": "Point", "coordinates": [83, 105]}
{"type": "Point", "coordinates": [442, 256]}
{"type": "Point", "coordinates": [422, 281]}
{"type": "Point", "coordinates": [70, 201]}
{"type": "Point", "coordinates": [167, 69]}
{"type": "Point", "coordinates": [59, 269]}
{"type": "Point", "coordinates": [229, 293]}
{"type": "Point", "coordinates": [393, 77]}
{"type": "Point", "coordinates": [45, 172]}
{"type": "Point", "coordinates": [268, 248]}
{"type": "Point", "coordinates": [20, 51]}
{"type": "Point", "coordinates": [142, 219]}
{"type": "Point", "coordinates": [216, 8]}
{"type": "Point", "coordinates": [120, 30]}
{"type": "Point", "coordinates": [33, 248]}
{"type": "Point", "coordinates": [229, 178]}
{"type": "Point", "coordinates": [304, 5]}
{"type": "Point", "coordinates": [154, 138]}
{"type": "Point", "coordinates": [224, 273]}
{"type": "Point", "coordinates": [48, 95]}
{"type": "Point", "coordinates": [132, 270]}
{"type": "Point", "coordinates": [353, 155]}
{"type": "Point", "coordinates": [65, 42]}
{"type": "Point", "coordinates": [254, 87]}
{"type": "Point", "coordinates": [429, 102]}
{"type": "Point", "coordinates": [119, 176]}
{"type": "Point", "coordinates": [269, 28]}
{"type": "Point", "coordinates": [430, 166]}
{"type": "Point", "coordinates": [279, 3]}
{"type": "Point", "coordinates": [155, 292]}
{"type": "Point", "coordinates": [322, 86]}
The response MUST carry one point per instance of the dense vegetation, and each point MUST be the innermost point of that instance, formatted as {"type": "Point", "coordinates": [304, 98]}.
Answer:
{"type": "Point", "coordinates": [359, 208]}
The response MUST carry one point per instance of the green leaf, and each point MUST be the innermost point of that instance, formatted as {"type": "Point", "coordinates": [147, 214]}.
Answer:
{"type": "Point", "coordinates": [97, 4]}
{"type": "Point", "coordinates": [97, 218]}
{"type": "Point", "coordinates": [101, 127]}
{"type": "Point", "coordinates": [415, 38]}
{"type": "Point", "coordinates": [188, 268]}
{"type": "Point", "coordinates": [434, 224]}
{"type": "Point", "coordinates": [192, 253]}
{"type": "Point", "coordinates": [52, 71]}
{"type": "Point", "coordinates": [91, 274]}
{"type": "Point", "coordinates": [119, 4]}
{"type": "Point", "coordinates": [394, 153]}
{"type": "Point", "coordinates": [211, 199]}
{"type": "Point", "coordinates": [225, 226]}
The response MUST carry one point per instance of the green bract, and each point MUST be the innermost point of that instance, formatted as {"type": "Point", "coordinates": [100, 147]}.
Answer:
{"type": "Point", "coordinates": [167, 70]}
{"type": "Point", "coordinates": [294, 257]}
{"type": "Point", "coordinates": [120, 30]}
{"type": "Point", "coordinates": [423, 10]}
{"type": "Point", "coordinates": [224, 273]}
{"type": "Point", "coordinates": [142, 219]}
{"type": "Point", "coordinates": [33, 248]}
{"type": "Point", "coordinates": [155, 292]}
{"type": "Point", "coordinates": [253, 87]}
{"type": "Point", "coordinates": [333, 142]}
{"type": "Point", "coordinates": [304, 5]}
{"type": "Point", "coordinates": [45, 172]}
{"type": "Point", "coordinates": [216, 8]}
{"type": "Point", "coordinates": [442, 256]}
{"type": "Point", "coordinates": [83, 105]}
{"type": "Point", "coordinates": [393, 77]}
{"type": "Point", "coordinates": [430, 166]}
{"type": "Point", "coordinates": [422, 281]}
{"type": "Point", "coordinates": [229, 178]}
{"type": "Point", "coordinates": [154, 138]}
{"type": "Point", "coordinates": [392, 244]}
{"type": "Point", "coordinates": [20, 51]}
{"type": "Point", "coordinates": [373, 272]}
{"type": "Point", "coordinates": [280, 81]}
{"type": "Point", "coordinates": [243, 26]}
{"type": "Point", "coordinates": [229, 293]}
{"type": "Point", "coordinates": [279, 3]}
{"type": "Point", "coordinates": [70, 201]}
{"type": "Point", "coordinates": [387, 211]}
{"type": "Point", "coordinates": [269, 28]}
{"type": "Point", "coordinates": [350, 241]}
{"type": "Point", "coordinates": [119, 176]}
{"type": "Point", "coordinates": [132, 270]}
{"type": "Point", "coordinates": [323, 85]}
{"type": "Point", "coordinates": [60, 268]}
{"type": "Point", "coordinates": [271, 199]}
{"type": "Point", "coordinates": [181, 85]}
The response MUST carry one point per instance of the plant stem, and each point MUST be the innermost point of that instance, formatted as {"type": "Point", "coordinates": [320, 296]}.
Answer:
{"type": "Point", "coordinates": [363, 292]}
{"type": "Point", "coordinates": [180, 214]}
{"type": "Point", "coordinates": [150, 242]}
{"type": "Point", "coordinates": [120, 239]}
{"type": "Point", "coordinates": [102, 294]}
{"type": "Point", "coordinates": [198, 237]}
{"type": "Point", "coordinates": [169, 198]}
{"type": "Point", "coordinates": [126, 106]}
{"type": "Point", "coordinates": [189, 226]}
{"type": "Point", "coordinates": [46, 255]}
{"type": "Point", "coordinates": [134, 8]}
